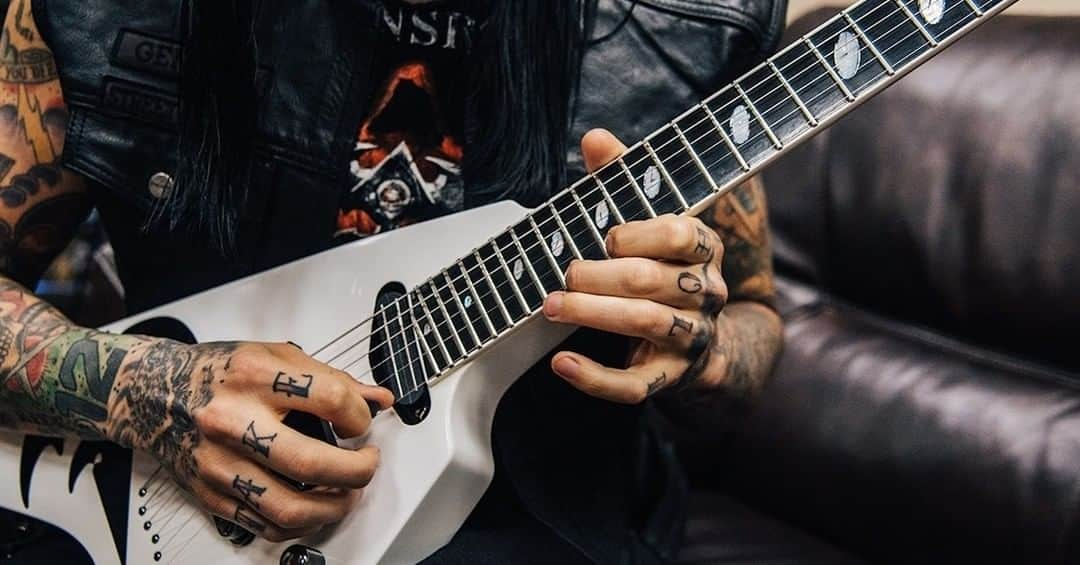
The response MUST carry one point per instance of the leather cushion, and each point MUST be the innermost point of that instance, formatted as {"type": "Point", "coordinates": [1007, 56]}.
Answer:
{"type": "Point", "coordinates": [953, 198]}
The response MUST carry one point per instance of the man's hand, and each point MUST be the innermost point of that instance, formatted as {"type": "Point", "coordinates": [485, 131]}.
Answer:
{"type": "Point", "coordinates": [664, 285]}
{"type": "Point", "coordinates": [212, 414]}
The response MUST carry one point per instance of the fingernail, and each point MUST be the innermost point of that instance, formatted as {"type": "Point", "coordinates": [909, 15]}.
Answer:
{"type": "Point", "coordinates": [607, 243]}
{"type": "Point", "coordinates": [566, 367]}
{"type": "Point", "coordinates": [294, 344]}
{"type": "Point", "coordinates": [373, 407]}
{"type": "Point", "coordinates": [553, 305]}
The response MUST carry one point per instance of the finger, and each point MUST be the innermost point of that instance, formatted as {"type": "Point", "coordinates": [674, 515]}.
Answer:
{"type": "Point", "coordinates": [328, 393]}
{"type": "Point", "coordinates": [668, 237]}
{"type": "Point", "coordinates": [259, 436]}
{"type": "Point", "coordinates": [273, 499]}
{"type": "Point", "coordinates": [687, 287]}
{"type": "Point", "coordinates": [631, 317]}
{"type": "Point", "coordinates": [235, 511]}
{"type": "Point", "coordinates": [600, 147]}
{"type": "Point", "coordinates": [625, 386]}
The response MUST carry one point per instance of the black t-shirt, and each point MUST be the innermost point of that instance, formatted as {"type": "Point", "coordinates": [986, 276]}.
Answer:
{"type": "Point", "coordinates": [406, 165]}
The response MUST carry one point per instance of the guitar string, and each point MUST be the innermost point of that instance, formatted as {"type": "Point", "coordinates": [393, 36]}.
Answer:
{"type": "Point", "coordinates": [949, 30]}
{"type": "Point", "coordinates": [706, 121]}
{"type": "Point", "coordinates": [414, 344]}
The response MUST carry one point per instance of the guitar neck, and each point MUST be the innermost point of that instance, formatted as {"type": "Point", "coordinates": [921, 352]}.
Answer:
{"type": "Point", "coordinates": [680, 168]}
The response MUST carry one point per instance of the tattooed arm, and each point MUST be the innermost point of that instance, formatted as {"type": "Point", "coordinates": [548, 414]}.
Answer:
{"type": "Point", "coordinates": [697, 292]}
{"type": "Point", "coordinates": [211, 413]}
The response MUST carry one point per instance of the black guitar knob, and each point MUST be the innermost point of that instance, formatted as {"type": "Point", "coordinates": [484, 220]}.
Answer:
{"type": "Point", "coordinates": [301, 555]}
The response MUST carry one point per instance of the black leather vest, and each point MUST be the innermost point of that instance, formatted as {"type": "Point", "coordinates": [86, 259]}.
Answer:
{"type": "Point", "coordinates": [119, 60]}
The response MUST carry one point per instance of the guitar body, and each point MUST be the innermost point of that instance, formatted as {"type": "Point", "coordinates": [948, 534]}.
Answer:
{"type": "Point", "coordinates": [431, 474]}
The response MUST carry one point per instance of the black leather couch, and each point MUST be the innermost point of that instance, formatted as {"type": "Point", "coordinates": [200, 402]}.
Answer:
{"type": "Point", "coordinates": [927, 406]}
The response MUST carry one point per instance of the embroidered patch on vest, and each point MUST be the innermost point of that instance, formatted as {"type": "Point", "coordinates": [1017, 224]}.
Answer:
{"type": "Point", "coordinates": [143, 52]}
{"type": "Point", "coordinates": [140, 102]}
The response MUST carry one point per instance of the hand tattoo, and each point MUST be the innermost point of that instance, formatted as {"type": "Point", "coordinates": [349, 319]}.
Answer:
{"type": "Point", "coordinates": [247, 489]}
{"type": "Point", "coordinates": [690, 283]}
{"type": "Point", "coordinates": [247, 519]}
{"type": "Point", "coordinates": [259, 444]}
{"type": "Point", "coordinates": [656, 384]}
{"type": "Point", "coordinates": [678, 323]}
{"type": "Point", "coordinates": [287, 385]}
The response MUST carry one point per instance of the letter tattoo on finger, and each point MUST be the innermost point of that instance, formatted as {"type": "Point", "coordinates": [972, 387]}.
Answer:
{"type": "Point", "coordinates": [245, 518]}
{"type": "Point", "coordinates": [690, 283]}
{"type": "Point", "coordinates": [259, 444]}
{"type": "Point", "coordinates": [678, 323]}
{"type": "Point", "coordinates": [656, 384]}
{"type": "Point", "coordinates": [287, 385]}
{"type": "Point", "coordinates": [248, 489]}
{"type": "Point", "coordinates": [703, 247]}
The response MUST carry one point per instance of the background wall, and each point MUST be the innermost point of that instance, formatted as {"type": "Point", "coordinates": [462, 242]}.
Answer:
{"type": "Point", "coordinates": [797, 8]}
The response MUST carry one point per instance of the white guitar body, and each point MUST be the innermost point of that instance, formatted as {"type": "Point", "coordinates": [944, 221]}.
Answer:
{"type": "Point", "coordinates": [431, 475]}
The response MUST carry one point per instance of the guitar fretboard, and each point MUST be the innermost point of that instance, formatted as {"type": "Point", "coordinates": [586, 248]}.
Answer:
{"type": "Point", "coordinates": [681, 168]}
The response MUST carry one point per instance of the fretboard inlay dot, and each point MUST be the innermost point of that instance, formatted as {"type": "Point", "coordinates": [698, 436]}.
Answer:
{"type": "Point", "coordinates": [652, 182]}
{"type": "Point", "coordinates": [932, 10]}
{"type": "Point", "coordinates": [427, 329]}
{"type": "Point", "coordinates": [557, 244]}
{"type": "Point", "coordinates": [846, 55]}
{"type": "Point", "coordinates": [467, 301]}
{"type": "Point", "coordinates": [519, 269]}
{"type": "Point", "coordinates": [602, 215]}
{"type": "Point", "coordinates": [740, 124]}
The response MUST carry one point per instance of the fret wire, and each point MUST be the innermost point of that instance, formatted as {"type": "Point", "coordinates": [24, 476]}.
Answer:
{"type": "Point", "coordinates": [889, 70]}
{"type": "Point", "coordinates": [435, 330]}
{"type": "Point", "coordinates": [637, 188]}
{"type": "Point", "coordinates": [929, 37]}
{"type": "Point", "coordinates": [389, 347]}
{"type": "Point", "coordinates": [592, 226]}
{"type": "Point", "coordinates": [828, 68]}
{"type": "Point", "coordinates": [510, 277]}
{"type": "Point", "coordinates": [476, 297]}
{"type": "Point", "coordinates": [697, 161]}
{"type": "Point", "coordinates": [974, 7]}
{"type": "Point", "coordinates": [449, 321]}
{"type": "Point", "coordinates": [727, 140]}
{"type": "Point", "coordinates": [494, 289]}
{"type": "Point", "coordinates": [761, 119]}
{"type": "Point", "coordinates": [794, 96]}
{"type": "Point", "coordinates": [408, 347]}
{"type": "Point", "coordinates": [566, 232]}
{"type": "Point", "coordinates": [420, 337]}
{"type": "Point", "coordinates": [528, 265]}
{"type": "Point", "coordinates": [547, 251]}
{"type": "Point", "coordinates": [607, 197]}
{"type": "Point", "coordinates": [461, 308]}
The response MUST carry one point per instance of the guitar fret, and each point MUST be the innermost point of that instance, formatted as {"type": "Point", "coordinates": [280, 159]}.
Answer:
{"type": "Point", "coordinates": [547, 251]}
{"type": "Point", "coordinates": [476, 297]}
{"type": "Point", "coordinates": [408, 350]}
{"type": "Point", "coordinates": [449, 320]}
{"type": "Point", "coordinates": [727, 140]}
{"type": "Point", "coordinates": [929, 37]}
{"type": "Point", "coordinates": [562, 226]}
{"type": "Point", "coordinates": [974, 7]}
{"type": "Point", "coordinates": [510, 277]}
{"type": "Point", "coordinates": [828, 68]}
{"type": "Point", "coordinates": [420, 338]}
{"type": "Point", "coordinates": [461, 308]}
{"type": "Point", "coordinates": [761, 120]}
{"type": "Point", "coordinates": [794, 96]}
{"type": "Point", "coordinates": [637, 188]}
{"type": "Point", "coordinates": [877, 54]}
{"type": "Point", "coordinates": [607, 198]}
{"type": "Point", "coordinates": [435, 330]}
{"type": "Point", "coordinates": [528, 264]}
{"type": "Point", "coordinates": [494, 290]}
{"type": "Point", "coordinates": [697, 161]}
{"type": "Point", "coordinates": [388, 346]}
{"type": "Point", "coordinates": [590, 224]}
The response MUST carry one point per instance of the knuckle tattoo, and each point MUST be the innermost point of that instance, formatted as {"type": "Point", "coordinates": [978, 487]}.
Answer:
{"type": "Point", "coordinates": [292, 385]}
{"type": "Point", "coordinates": [259, 444]}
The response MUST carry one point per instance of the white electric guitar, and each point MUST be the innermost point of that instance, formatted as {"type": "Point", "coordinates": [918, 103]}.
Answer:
{"type": "Point", "coordinates": [451, 324]}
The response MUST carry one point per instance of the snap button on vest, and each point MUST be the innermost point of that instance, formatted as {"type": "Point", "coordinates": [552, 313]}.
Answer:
{"type": "Point", "coordinates": [160, 185]}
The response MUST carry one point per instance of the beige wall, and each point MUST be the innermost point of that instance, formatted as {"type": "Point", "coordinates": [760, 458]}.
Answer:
{"type": "Point", "coordinates": [797, 8]}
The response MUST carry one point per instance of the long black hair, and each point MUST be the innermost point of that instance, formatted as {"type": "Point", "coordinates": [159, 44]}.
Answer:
{"type": "Point", "coordinates": [523, 78]}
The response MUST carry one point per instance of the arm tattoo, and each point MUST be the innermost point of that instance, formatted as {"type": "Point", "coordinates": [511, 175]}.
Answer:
{"type": "Point", "coordinates": [740, 218]}
{"type": "Point", "coordinates": [289, 386]}
{"type": "Point", "coordinates": [259, 444]}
